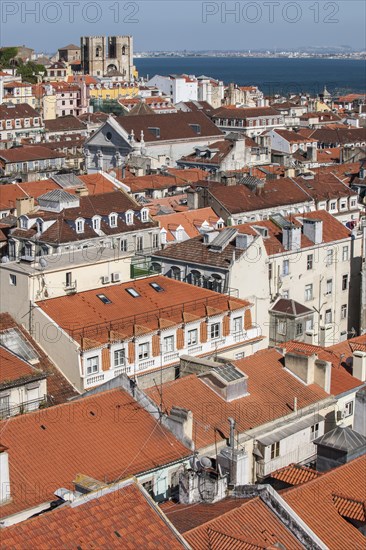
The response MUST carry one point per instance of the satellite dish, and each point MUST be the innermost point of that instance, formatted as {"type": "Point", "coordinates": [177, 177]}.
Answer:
{"type": "Point", "coordinates": [4, 260]}
{"type": "Point", "coordinates": [205, 462]}
{"type": "Point", "coordinates": [42, 263]}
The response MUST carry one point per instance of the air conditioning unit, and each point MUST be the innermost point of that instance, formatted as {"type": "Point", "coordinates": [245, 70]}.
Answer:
{"type": "Point", "coordinates": [105, 280]}
{"type": "Point", "coordinates": [116, 277]}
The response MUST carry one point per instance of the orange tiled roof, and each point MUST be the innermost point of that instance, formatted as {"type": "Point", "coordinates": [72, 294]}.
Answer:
{"type": "Point", "coordinates": [124, 518]}
{"type": "Point", "coordinates": [341, 379]}
{"type": "Point", "coordinates": [314, 502]}
{"type": "Point", "coordinates": [191, 221]}
{"type": "Point", "coordinates": [270, 390]}
{"type": "Point", "coordinates": [295, 474]}
{"type": "Point", "coordinates": [59, 388]}
{"type": "Point", "coordinates": [254, 524]}
{"type": "Point", "coordinates": [188, 516]}
{"type": "Point", "coordinates": [107, 436]}
{"type": "Point", "coordinates": [13, 367]}
{"type": "Point", "coordinates": [350, 508]}
{"type": "Point", "coordinates": [85, 315]}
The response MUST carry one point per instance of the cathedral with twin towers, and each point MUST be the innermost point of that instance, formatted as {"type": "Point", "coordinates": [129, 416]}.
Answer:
{"type": "Point", "coordinates": [107, 56]}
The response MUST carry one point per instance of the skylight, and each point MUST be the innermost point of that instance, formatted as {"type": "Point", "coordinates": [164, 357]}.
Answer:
{"type": "Point", "coordinates": [104, 299]}
{"type": "Point", "coordinates": [14, 341]}
{"type": "Point", "coordinates": [133, 292]}
{"type": "Point", "coordinates": [157, 287]}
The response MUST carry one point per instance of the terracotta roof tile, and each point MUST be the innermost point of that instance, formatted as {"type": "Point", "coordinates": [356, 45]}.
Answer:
{"type": "Point", "coordinates": [85, 315]}
{"type": "Point", "coordinates": [58, 388]}
{"type": "Point", "coordinates": [253, 523]}
{"type": "Point", "coordinates": [172, 126]}
{"type": "Point", "coordinates": [107, 436]}
{"type": "Point", "coordinates": [191, 221]}
{"type": "Point", "coordinates": [268, 383]}
{"type": "Point", "coordinates": [295, 474]}
{"type": "Point", "coordinates": [188, 516]}
{"type": "Point", "coordinates": [324, 518]}
{"type": "Point", "coordinates": [341, 377]}
{"type": "Point", "coordinates": [123, 518]}
{"type": "Point", "coordinates": [28, 153]}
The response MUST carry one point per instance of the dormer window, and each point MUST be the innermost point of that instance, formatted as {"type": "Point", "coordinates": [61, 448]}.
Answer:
{"type": "Point", "coordinates": [79, 224]}
{"type": "Point", "coordinates": [39, 226]}
{"type": "Point", "coordinates": [113, 220]}
{"type": "Point", "coordinates": [23, 222]}
{"type": "Point", "coordinates": [144, 215]}
{"type": "Point", "coordinates": [96, 223]}
{"type": "Point", "coordinates": [129, 217]}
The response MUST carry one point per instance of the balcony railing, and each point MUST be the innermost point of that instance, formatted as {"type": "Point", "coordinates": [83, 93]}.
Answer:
{"type": "Point", "coordinates": [23, 407]}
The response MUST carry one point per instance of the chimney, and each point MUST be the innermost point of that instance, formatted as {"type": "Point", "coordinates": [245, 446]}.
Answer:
{"type": "Point", "coordinates": [232, 433]}
{"type": "Point", "coordinates": [192, 199]}
{"type": "Point", "coordinates": [24, 205]}
{"type": "Point", "coordinates": [291, 237]}
{"type": "Point", "coordinates": [309, 369]}
{"type": "Point", "coordinates": [301, 365]}
{"type": "Point", "coordinates": [181, 423]}
{"type": "Point", "coordinates": [243, 241]}
{"type": "Point", "coordinates": [4, 475]}
{"type": "Point", "coordinates": [313, 230]}
{"type": "Point", "coordinates": [359, 365]}
{"type": "Point", "coordinates": [311, 153]}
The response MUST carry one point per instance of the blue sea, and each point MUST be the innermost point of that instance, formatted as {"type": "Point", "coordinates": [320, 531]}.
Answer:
{"type": "Point", "coordinates": [272, 76]}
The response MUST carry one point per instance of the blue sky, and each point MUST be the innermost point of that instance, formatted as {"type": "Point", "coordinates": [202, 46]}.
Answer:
{"type": "Point", "coordinates": [190, 24]}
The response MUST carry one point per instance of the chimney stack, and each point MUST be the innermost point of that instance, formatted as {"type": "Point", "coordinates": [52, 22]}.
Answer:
{"type": "Point", "coordinates": [313, 230]}
{"type": "Point", "coordinates": [359, 365]}
{"type": "Point", "coordinates": [24, 205]}
{"type": "Point", "coordinates": [291, 237]}
{"type": "Point", "coordinates": [311, 153]}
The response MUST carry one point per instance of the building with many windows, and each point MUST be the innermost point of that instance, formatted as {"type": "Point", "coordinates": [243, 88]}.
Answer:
{"type": "Point", "coordinates": [140, 328]}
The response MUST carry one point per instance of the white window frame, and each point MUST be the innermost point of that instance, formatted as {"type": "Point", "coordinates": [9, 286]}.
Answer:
{"type": "Point", "coordinates": [285, 270]}
{"type": "Point", "coordinates": [215, 330]}
{"type": "Point", "coordinates": [344, 311]}
{"type": "Point", "coordinates": [92, 365]}
{"type": "Point", "coordinates": [120, 352]}
{"type": "Point", "coordinates": [274, 450]}
{"type": "Point", "coordinates": [192, 337]}
{"type": "Point", "coordinates": [143, 351]}
{"type": "Point", "coordinates": [345, 282]}
{"type": "Point", "coordinates": [12, 279]}
{"type": "Point", "coordinates": [168, 344]}
{"type": "Point", "coordinates": [79, 225]}
{"type": "Point", "coordinates": [345, 253]}
{"type": "Point", "coordinates": [348, 409]}
{"type": "Point", "coordinates": [309, 292]}
{"type": "Point", "coordinates": [113, 219]}
{"type": "Point", "coordinates": [314, 431]}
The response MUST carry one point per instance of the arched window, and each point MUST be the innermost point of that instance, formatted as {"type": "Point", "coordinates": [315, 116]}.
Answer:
{"type": "Point", "coordinates": [79, 224]}
{"type": "Point", "coordinates": [216, 283]}
{"type": "Point", "coordinates": [156, 267]}
{"type": "Point", "coordinates": [129, 217]}
{"type": "Point", "coordinates": [113, 217]}
{"type": "Point", "coordinates": [123, 50]}
{"type": "Point", "coordinates": [98, 51]}
{"type": "Point", "coordinates": [39, 225]}
{"type": "Point", "coordinates": [195, 278]}
{"type": "Point", "coordinates": [96, 223]}
{"type": "Point", "coordinates": [175, 273]}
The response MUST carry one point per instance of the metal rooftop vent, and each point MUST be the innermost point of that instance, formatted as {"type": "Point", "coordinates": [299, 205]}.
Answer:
{"type": "Point", "coordinates": [223, 239]}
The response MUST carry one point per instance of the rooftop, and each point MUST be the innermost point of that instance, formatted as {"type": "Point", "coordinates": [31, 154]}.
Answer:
{"type": "Point", "coordinates": [109, 438]}
{"type": "Point", "coordinates": [29, 153]}
{"type": "Point", "coordinates": [327, 518]}
{"type": "Point", "coordinates": [192, 125]}
{"type": "Point", "coordinates": [104, 520]}
{"type": "Point", "coordinates": [270, 393]}
{"type": "Point", "coordinates": [85, 315]}
{"type": "Point", "coordinates": [58, 387]}
{"type": "Point", "coordinates": [342, 438]}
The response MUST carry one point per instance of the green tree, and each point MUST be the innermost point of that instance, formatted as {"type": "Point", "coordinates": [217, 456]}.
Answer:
{"type": "Point", "coordinates": [7, 55]}
{"type": "Point", "coordinates": [30, 70]}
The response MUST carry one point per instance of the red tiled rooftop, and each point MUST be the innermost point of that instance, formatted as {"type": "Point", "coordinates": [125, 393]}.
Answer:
{"type": "Point", "coordinates": [124, 518]}
{"type": "Point", "coordinates": [315, 503]}
{"type": "Point", "coordinates": [81, 313]}
{"type": "Point", "coordinates": [295, 474]}
{"type": "Point", "coordinates": [270, 389]}
{"type": "Point", "coordinates": [58, 388]}
{"type": "Point", "coordinates": [107, 436]}
{"type": "Point", "coordinates": [253, 524]}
